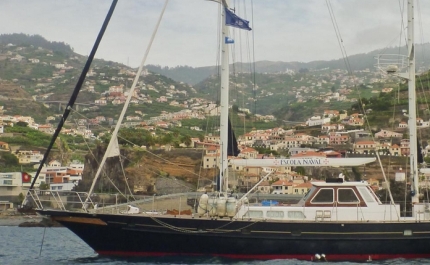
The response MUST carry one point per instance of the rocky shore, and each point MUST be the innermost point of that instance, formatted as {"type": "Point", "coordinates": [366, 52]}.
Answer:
{"type": "Point", "coordinates": [26, 221]}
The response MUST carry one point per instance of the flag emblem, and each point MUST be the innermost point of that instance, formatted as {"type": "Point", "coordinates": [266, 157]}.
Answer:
{"type": "Point", "coordinates": [231, 19]}
{"type": "Point", "coordinates": [26, 177]}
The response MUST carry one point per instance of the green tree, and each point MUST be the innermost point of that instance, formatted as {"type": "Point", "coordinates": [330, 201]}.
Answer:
{"type": "Point", "coordinates": [175, 133]}
{"type": "Point", "coordinates": [9, 159]}
{"type": "Point", "coordinates": [186, 139]}
{"type": "Point", "coordinates": [235, 108]}
{"type": "Point", "coordinates": [44, 186]}
{"type": "Point", "coordinates": [300, 170]}
{"type": "Point", "coordinates": [357, 174]}
{"type": "Point", "coordinates": [333, 89]}
{"type": "Point", "coordinates": [166, 139]}
{"type": "Point", "coordinates": [20, 198]}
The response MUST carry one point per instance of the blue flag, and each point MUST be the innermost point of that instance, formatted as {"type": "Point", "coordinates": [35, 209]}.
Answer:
{"type": "Point", "coordinates": [228, 40]}
{"type": "Point", "coordinates": [232, 20]}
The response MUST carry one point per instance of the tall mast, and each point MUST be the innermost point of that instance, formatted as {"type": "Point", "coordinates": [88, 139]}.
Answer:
{"type": "Point", "coordinates": [224, 100]}
{"type": "Point", "coordinates": [413, 140]}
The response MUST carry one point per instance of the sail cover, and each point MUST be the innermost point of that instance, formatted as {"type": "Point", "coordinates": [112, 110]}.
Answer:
{"type": "Point", "coordinates": [232, 148]}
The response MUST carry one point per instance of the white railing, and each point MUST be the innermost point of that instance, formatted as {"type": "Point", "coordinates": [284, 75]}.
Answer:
{"type": "Point", "coordinates": [61, 200]}
{"type": "Point", "coordinates": [175, 204]}
{"type": "Point", "coordinates": [391, 63]}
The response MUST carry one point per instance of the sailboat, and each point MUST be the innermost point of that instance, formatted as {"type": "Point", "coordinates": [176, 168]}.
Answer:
{"type": "Point", "coordinates": [335, 220]}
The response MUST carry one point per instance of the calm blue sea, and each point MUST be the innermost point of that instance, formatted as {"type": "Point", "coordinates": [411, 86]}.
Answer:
{"type": "Point", "coordinates": [24, 246]}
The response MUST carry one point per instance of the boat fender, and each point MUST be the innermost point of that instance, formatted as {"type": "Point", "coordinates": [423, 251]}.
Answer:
{"type": "Point", "coordinates": [203, 205]}
{"type": "Point", "coordinates": [231, 207]}
{"type": "Point", "coordinates": [132, 209]}
{"type": "Point", "coordinates": [320, 258]}
{"type": "Point", "coordinates": [317, 257]}
{"type": "Point", "coordinates": [212, 204]}
{"type": "Point", "coordinates": [221, 206]}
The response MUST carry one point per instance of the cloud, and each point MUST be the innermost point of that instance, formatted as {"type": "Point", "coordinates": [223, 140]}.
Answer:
{"type": "Point", "coordinates": [282, 30]}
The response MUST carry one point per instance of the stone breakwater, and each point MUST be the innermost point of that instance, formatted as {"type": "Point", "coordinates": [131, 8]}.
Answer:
{"type": "Point", "coordinates": [16, 220]}
{"type": "Point", "coordinates": [26, 221]}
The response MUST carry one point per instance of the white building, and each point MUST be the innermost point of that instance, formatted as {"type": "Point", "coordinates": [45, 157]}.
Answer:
{"type": "Point", "coordinates": [316, 121]}
{"type": "Point", "coordinates": [14, 183]}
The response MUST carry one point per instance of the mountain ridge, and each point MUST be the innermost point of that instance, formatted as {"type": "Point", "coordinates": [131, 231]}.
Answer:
{"type": "Point", "coordinates": [361, 61]}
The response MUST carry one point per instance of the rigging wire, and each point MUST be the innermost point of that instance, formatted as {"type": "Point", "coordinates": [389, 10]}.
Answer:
{"type": "Point", "coordinates": [402, 25]}
{"type": "Point", "coordinates": [129, 142]}
{"type": "Point", "coordinates": [105, 175]}
{"type": "Point", "coordinates": [421, 85]}
{"type": "Point", "coordinates": [349, 70]}
{"type": "Point", "coordinates": [339, 37]}
{"type": "Point", "coordinates": [250, 63]}
{"type": "Point", "coordinates": [139, 71]}
{"type": "Point", "coordinates": [126, 179]}
{"type": "Point", "coordinates": [75, 93]}
{"type": "Point", "coordinates": [211, 123]}
{"type": "Point", "coordinates": [41, 244]}
{"type": "Point", "coordinates": [217, 77]}
{"type": "Point", "coordinates": [254, 88]}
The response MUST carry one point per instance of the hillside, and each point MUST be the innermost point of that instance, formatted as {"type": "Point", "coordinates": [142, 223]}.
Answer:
{"type": "Point", "coordinates": [143, 169]}
{"type": "Point", "coordinates": [358, 62]}
{"type": "Point", "coordinates": [36, 41]}
{"type": "Point", "coordinates": [14, 99]}
{"type": "Point", "coordinates": [34, 68]}
{"type": "Point", "coordinates": [49, 71]}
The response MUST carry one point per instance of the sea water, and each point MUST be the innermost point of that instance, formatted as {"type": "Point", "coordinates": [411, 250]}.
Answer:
{"type": "Point", "coordinates": [25, 245]}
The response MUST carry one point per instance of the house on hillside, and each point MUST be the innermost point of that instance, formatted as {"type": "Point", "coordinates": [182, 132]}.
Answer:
{"type": "Point", "coordinates": [365, 147]}
{"type": "Point", "coordinates": [388, 134]}
{"type": "Point", "coordinates": [4, 146]}
{"type": "Point", "coordinates": [403, 125]}
{"type": "Point", "coordinates": [302, 188]}
{"type": "Point", "coordinates": [405, 147]}
{"type": "Point", "coordinates": [282, 187]}
{"type": "Point", "coordinates": [264, 187]}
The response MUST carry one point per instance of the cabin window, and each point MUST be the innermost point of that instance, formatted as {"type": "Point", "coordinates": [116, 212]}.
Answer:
{"type": "Point", "coordinates": [7, 182]}
{"type": "Point", "coordinates": [254, 214]}
{"type": "Point", "coordinates": [323, 196]}
{"type": "Point", "coordinates": [295, 215]}
{"type": "Point", "coordinates": [275, 214]}
{"type": "Point", "coordinates": [347, 196]}
{"type": "Point", "coordinates": [366, 195]}
{"type": "Point", "coordinates": [307, 193]}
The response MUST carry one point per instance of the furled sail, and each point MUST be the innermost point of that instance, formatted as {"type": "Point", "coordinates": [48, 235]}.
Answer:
{"type": "Point", "coordinates": [232, 148]}
{"type": "Point", "coordinates": [113, 149]}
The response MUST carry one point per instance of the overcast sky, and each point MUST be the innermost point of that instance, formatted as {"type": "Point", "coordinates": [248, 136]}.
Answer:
{"type": "Point", "coordinates": [283, 30]}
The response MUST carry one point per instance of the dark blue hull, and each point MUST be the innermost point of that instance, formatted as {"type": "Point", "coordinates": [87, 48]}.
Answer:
{"type": "Point", "coordinates": [122, 235]}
